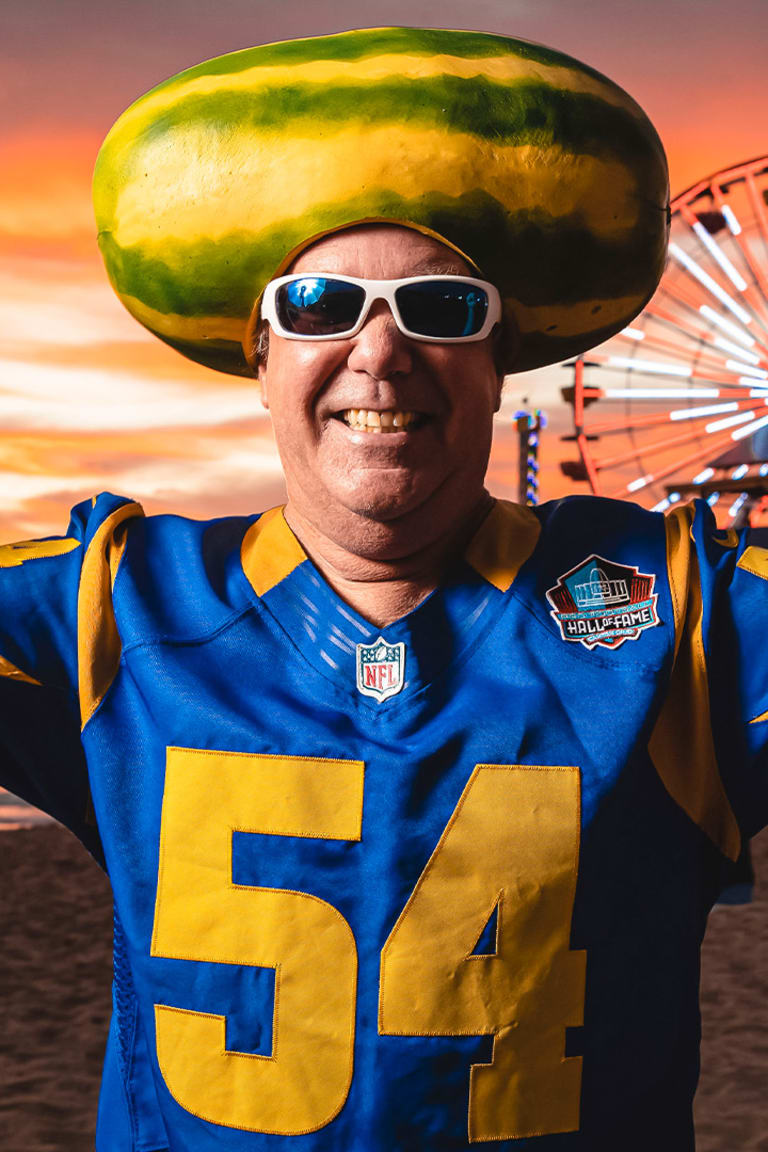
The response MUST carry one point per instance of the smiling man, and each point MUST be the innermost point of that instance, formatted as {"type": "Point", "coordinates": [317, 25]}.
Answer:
{"type": "Point", "coordinates": [413, 802]}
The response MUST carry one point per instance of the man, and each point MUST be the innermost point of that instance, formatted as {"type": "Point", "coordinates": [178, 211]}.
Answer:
{"type": "Point", "coordinates": [384, 500]}
{"type": "Point", "coordinates": [413, 802]}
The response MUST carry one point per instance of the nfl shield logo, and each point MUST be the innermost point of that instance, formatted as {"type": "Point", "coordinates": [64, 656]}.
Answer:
{"type": "Point", "coordinates": [380, 669]}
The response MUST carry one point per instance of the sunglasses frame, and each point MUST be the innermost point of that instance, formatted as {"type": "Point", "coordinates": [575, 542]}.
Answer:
{"type": "Point", "coordinates": [380, 290]}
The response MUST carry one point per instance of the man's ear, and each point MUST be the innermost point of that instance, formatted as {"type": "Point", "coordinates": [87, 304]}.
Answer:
{"type": "Point", "coordinates": [262, 378]}
{"type": "Point", "coordinates": [506, 346]}
{"type": "Point", "coordinates": [501, 354]}
{"type": "Point", "coordinates": [500, 388]}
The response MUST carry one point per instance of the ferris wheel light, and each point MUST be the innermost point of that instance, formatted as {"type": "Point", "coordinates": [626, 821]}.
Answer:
{"type": "Point", "coordinates": [703, 410]}
{"type": "Point", "coordinates": [707, 282]}
{"type": "Point", "coordinates": [702, 477]}
{"type": "Point", "coordinates": [730, 219]}
{"type": "Point", "coordinates": [740, 471]}
{"type": "Point", "coordinates": [657, 366]}
{"type": "Point", "coordinates": [747, 370]}
{"type": "Point", "coordinates": [660, 393]}
{"type": "Point", "coordinates": [662, 505]}
{"type": "Point", "coordinates": [633, 333]}
{"type": "Point", "coordinates": [727, 325]}
{"type": "Point", "coordinates": [713, 498]}
{"type": "Point", "coordinates": [740, 433]}
{"type": "Point", "coordinates": [727, 346]}
{"type": "Point", "coordinates": [737, 504]}
{"type": "Point", "coordinates": [717, 254]}
{"type": "Point", "coordinates": [641, 482]}
{"type": "Point", "coordinates": [718, 425]}
{"type": "Point", "coordinates": [764, 469]}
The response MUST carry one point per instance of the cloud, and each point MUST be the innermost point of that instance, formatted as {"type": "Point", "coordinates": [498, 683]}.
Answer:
{"type": "Point", "coordinates": [39, 311]}
{"type": "Point", "coordinates": [45, 396]}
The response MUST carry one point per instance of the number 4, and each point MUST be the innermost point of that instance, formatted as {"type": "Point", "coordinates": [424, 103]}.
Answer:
{"type": "Point", "coordinates": [511, 844]}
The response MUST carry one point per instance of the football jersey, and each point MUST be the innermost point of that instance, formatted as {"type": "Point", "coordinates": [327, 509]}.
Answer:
{"type": "Point", "coordinates": [431, 886]}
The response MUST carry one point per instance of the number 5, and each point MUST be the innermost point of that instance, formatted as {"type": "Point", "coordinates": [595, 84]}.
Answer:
{"type": "Point", "coordinates": [201, 915]}
{"type": "Point", "coordinates": [511, 844]}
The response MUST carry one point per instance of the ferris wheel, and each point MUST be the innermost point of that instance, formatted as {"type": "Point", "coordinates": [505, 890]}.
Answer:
{"type": "Point", "coordinates": [677, 404]}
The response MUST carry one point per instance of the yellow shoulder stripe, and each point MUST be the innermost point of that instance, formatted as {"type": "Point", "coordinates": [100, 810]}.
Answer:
{"type": "Point", "coordinates": [754, 560]}
{"type": "Point", "coordinates": [503, 543]}
{"type": "Point", "coordinates": [728, 538]}
{"type": "Point", "coordinates": [13, 673]}
{"type": "Point", "coordinates": [681, 744]}
{"type": "Point", "coordinates": [98, 642]}
{"type": "Point", "coordinates": [759, 719]}
{"type": "Point", "coordinates": [270, 551]}
{"type": "Point", "coordinates": [12, 555]}
{"type": "Point", "coordinates": [678, 526]}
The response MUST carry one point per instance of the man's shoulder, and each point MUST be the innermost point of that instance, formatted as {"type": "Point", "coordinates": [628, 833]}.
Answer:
{"type": "Point", "coordinates": [574, 527]}
{"type": "Point", "coordinates": [597, 578]}
{"type": "Point", "coordinates": [173, 577]}
{"type": "Point", "coordinates": [600, 512]}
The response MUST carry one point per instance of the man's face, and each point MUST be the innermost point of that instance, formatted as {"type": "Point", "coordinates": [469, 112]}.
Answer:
{"type": "Point", "coordinates": [445, 393]}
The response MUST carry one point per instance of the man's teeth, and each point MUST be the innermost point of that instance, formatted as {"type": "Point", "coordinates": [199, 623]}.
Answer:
{"type": "Point", "coordinates": [366, 420]}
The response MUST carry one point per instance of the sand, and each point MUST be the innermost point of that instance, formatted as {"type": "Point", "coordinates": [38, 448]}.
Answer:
{"type": "Point", "coordinates": [56, 916]}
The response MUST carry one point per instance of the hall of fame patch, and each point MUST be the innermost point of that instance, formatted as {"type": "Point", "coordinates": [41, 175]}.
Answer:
{"type": "Point", "coordinates": [599, 602]}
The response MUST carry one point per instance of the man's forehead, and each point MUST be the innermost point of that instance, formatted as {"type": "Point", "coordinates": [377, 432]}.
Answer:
{"type": "Point", "coordinates": [381, 251]}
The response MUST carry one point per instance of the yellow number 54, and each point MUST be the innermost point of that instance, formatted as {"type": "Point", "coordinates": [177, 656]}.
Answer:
{"type": "Point", "coordinates": [511, 847]}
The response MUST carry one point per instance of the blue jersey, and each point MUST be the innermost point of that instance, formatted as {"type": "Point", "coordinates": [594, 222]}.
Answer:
{"type": "Point", "coordinates": [424, 887]}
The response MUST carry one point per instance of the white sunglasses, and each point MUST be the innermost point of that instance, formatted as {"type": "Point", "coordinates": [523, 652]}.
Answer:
{"type": "Point", "coordinates": [440, 309]}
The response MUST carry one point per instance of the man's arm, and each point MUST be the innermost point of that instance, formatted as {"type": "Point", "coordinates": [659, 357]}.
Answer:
{"type": "Point", "coordinates": [55, 603]}
{"type": "Point", "coordinates": [717, 703]}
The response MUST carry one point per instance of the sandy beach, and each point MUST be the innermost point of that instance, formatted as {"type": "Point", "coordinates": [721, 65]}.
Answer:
{"type": "Point", "coordinates": [56, 917]}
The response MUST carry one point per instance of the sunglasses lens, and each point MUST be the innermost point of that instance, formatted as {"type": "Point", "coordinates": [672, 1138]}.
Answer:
{"type": "Point", "coordinates": [318, 305]}
{"type": "Point", "coordinates": [446, 309]}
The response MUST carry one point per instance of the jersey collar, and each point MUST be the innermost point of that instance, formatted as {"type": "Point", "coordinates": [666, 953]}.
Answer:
{"type": "Point", "coordinates": [435, 633]}
{"type": "Point", "coordinates": [497, 551]}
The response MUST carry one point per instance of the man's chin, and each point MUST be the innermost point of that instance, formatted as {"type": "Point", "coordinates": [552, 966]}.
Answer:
{"type": "Point", "coordinates": [388, 505]}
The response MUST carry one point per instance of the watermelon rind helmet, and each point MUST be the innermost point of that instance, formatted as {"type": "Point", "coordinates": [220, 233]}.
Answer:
{"type": "Point", "coordinates": [543, 174]}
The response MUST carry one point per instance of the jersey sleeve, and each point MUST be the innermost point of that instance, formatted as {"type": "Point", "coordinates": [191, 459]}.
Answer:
{"type": "Point", "coordinates": [710, 740]}
{"type": "Point", "coordinates": [57, 637]}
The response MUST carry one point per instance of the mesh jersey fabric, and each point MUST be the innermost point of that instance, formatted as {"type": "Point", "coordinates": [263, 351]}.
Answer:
{"type": "Point", "coordinates": [468, 913]}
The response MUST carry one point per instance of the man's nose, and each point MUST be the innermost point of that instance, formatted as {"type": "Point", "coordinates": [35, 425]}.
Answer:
{"type": "Point", "coordinates": [380, 348]}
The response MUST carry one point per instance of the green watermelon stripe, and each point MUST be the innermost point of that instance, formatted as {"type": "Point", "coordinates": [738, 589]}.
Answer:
{"type": "Point", "coordinates": [221, 355]}
{"type": "Point", "coordinates": [367, 42]}
{"type": "Point", "coordinates": [522, 112]}
{"type": "Point", "coordinates": [557, 252]}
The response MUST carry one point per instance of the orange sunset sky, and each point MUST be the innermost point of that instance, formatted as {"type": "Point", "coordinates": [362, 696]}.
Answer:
{"type": "Point", "coordinates": [88, 399]}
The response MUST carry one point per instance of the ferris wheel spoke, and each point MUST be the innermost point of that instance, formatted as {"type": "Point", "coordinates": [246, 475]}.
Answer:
{"type": "Point", "coordinates": [709, 283]}
{"type": "Point", "coordinates": [654, 448]}
{"type": "Point", "coordinates": [694, 412]}
{"type": "Point", "coordinates": [718, 444]}
{"type": "Point", "coordinates": [711, 246]}
{"type": "Point", "coordinates": [758, 206]}
{"type": "Point", "coordinates": [738, 235]}
{"type": "Point", "coordinates": [726, 325]}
